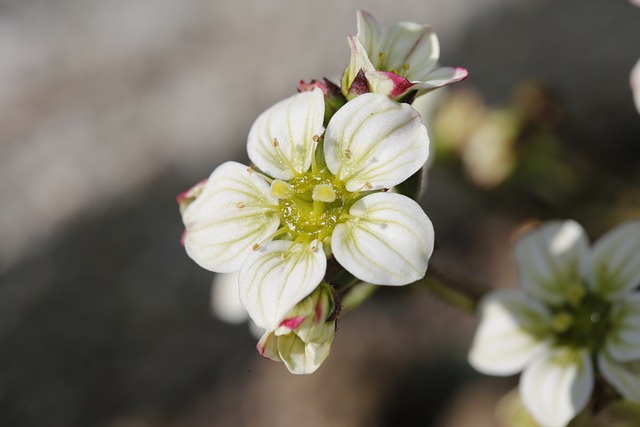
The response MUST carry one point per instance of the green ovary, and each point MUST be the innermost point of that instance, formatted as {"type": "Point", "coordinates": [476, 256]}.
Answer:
{"type": "Point", "coordinates": [310, 205]}
{"type": "Point", "coordinates": [584, 323]}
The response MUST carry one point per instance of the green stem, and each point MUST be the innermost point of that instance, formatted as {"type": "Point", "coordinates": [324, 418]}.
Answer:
{"type": "Point", "coordinates": [448, 290]}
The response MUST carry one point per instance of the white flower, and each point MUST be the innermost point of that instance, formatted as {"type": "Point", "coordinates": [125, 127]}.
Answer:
{"type": "Point", "coordinates": [303, 338]}
{"type": "Point", "coordinates": [578, 304]}
{"type": "Point", "coordinates": [314, 194]}
{"type": "Point", "coordinates": [635, 84]}
{"type": "Point", "coordinates": [396, 61]}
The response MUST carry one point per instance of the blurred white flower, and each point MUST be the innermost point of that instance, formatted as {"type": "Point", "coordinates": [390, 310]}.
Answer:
{"type": "Point", "coordinates": [315, 194]}
{"type": "Point", "coordinates": [225, 301]}
{"type": "Point", "coordinates": [395, 61]}
{"type": "Point", "coordinates": [578, 304]}
{"type": "Point", "coordinates": [635, 82]}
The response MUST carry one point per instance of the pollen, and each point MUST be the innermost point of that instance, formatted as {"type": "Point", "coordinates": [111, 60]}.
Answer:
{"type": "Point", "coordinates": [348, 154]}
{"type": "Point", "coordinates": [240, 205]}
{"type": "Point", "coordinates": [255, 247]}
{"type": "Point", "coordinates": [275, 142]}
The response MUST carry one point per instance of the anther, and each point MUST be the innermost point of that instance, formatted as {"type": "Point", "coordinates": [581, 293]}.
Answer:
{"type": "Point", "coordinates": [381, 56]}
{"type": "Point", "coordinates": [250, 169]}
{"type": "Point", "coordinates": [405, 66]}
{"type": "Point", "coordinates": [255, 246]}
{"type": "Point", "coordinates": [348, 154]}
{"type": "Point", "coordinates": [316, 138]}
{"type": "Point", "coordinates": [368, 185]}
{"type": "Point", "coordinates": [240, 205]}
{"type": "Point", "coordinates": [275, 142]}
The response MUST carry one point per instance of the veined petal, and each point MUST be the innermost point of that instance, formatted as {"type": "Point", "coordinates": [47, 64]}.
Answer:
{"type": "Point", "coordinates": [439, 77]}
{"type": "Point", "coordinates": [557, 386]}
{"type": "Point", "coordinates": [373, 142]}
{"type": "Point", "coordinates": [228, 218]}
{"type": "Point", "coordinates": [410, 49]}
{"type": "Point", "coordinates": [548, 260]}
{"type": "Point", "coordinates": [225, 302]}
{"type": "Point", "coordinates": [511, 333]}
{"type": "Point", "coordinates": [359, 61]}
{"type": "Point", "coordinates": [388, 241]}
{"type": "Point", "coordinates": [369, 32]}
{"type": "Point", "coordinates": [293, 123]}
{"type": "Point", "coordinates": [302, 358]}
{"type": "Point", "coordinates": [623, 376]}
{"type": "Point", "coordinates": [623, 340]}
{"type": "Point", "coordinates": [268, 346]}
{"type": "Point", "coordinates": [277, 276]}
{"type": "Point", "coordinates": [614, 270]}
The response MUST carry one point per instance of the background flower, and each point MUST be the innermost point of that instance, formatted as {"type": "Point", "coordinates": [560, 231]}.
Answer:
{"type": "Point", "coordinates": [577, 304]}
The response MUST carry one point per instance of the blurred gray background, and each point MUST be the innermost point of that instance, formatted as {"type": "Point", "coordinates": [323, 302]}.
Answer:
{"type": "Point", "coordinates": [108, 109]}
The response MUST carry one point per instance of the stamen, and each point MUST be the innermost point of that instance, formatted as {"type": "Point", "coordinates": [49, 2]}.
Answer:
{"type": "Point", "coordinates": [255, 247]}
{"type": "Point", "coordinates": [348, 154]}
{"type": "Point", "coordinates": [283, 157]}
{"type": "Point", "coordinates": [240, 205]}
{"type": "Point", "coordinates": [562, 321]}
{"type": "Point", "coordinates": [281, 190]}
{"type": "Point", "coordinates": [323, 193]}
{"type": "Point", "coordinates": [405, 66]}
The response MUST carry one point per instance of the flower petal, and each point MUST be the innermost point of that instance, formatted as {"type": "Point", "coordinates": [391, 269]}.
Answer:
{"type": "Point", "coordinates": [359, 61]}
{"type": "Point", "coordinates": [369, 32]}
{"type": "Point", "coordinates": [624, 377]}
{"type": "Point", "coordinates": [225, 302]}
{"type": "Point", "coordinates": [410, 49]}
{"type": "Point", "coordinates": [373, 142]}
{"type": "Point", "coordinates": [439, 77]}
{"type": "Point", "coordinates": [388, 241]}
{"type": "Point", "coordinates": [615, 261]}
{"type": "Point", "coordinates": [623, 340]}
{"type": "Point", "coordinates": [302, 358]}
{"type": "Point", "coordinates": [228, 218]}
{"type": "Point", "coordinates": [277, 277]}
{"type": "Point", "coordinates": [548, 260]}
{"type": "Point", "coordinates": [510, 333]}
{"type": "Point", "coordinates": [293, 123]}
{"type": "Point", "coordinates": [557, 386]}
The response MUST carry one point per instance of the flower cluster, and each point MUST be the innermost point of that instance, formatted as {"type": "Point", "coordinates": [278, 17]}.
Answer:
{"type": "Point", "coordinates": [578, 314]}
{"type": "Point", "coordinates": [321, 187]}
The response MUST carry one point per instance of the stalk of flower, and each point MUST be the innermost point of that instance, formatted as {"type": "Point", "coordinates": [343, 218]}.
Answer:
{"type": "Point", "coordinates": [314, 194]}
{"type": "Point", "coordinates": [578, 315]}
{"type": "Point", "coordinates": [400, 61]}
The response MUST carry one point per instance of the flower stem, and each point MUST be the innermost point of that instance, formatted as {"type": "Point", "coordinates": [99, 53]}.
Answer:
{"type": "Point", "coordinates": [448, 290]}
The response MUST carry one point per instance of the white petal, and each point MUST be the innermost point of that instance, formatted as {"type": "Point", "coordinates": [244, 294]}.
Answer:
{"type": "Point", "coordinates": [359, 61]}
{"type": "Point", "coordinates": [624, 377]}
{"type": "Point", "coordinates": [439, 77]}
{"type": "Point", "coordinates": [510, 333]}
{"type": "Point", "coordinates": [225, 301]}
{"type": "Point", "coordinates": [369, 32]}
{"type": "Point", "coordinates": [293, 122]}
{"type": "Point", "coordinates": [548, 259]}
{"type": "Point", "coordinates": [623, 340]}
{"type": "Point", "coordinates": [277, 277]}
{"type": "Point", "coordinates": [373, 142]}
{"type": "Point", "coordinates": [557, 386]}
{"type": "Point", "coordinates": [301, 358]}
{"type": "Point", "coordinates": [389, 242]}
{"type": "Point", "coordinates": [228, 218]}
{"type": "Point", "coordinates": [615, 261]}
{"type": "Point", "coordinates": [409, 44]}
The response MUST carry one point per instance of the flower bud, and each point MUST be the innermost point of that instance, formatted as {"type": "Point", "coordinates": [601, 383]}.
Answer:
{"type": "Point", "coordinates": [303, 338]}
